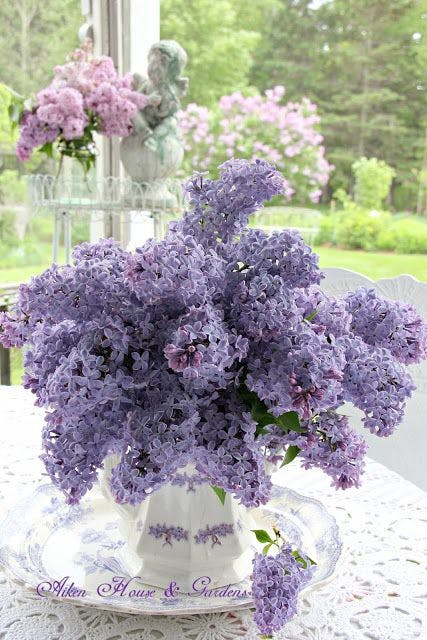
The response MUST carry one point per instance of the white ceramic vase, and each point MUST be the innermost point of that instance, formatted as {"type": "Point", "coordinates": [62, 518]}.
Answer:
{"type": "Point", "coordinates": [152, 168]}
{"type": "Point", "coordinates": [183, 533]}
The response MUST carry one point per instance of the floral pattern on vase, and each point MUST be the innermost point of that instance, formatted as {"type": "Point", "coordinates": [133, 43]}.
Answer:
{"type": "Point", "coordinates": [213, 534]}
{"type": "Point", "coordinates": [207, 538]}
{"type": "Point", "coordinates": [167, 533]}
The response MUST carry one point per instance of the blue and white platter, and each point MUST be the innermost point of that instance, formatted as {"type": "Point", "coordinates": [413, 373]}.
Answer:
{"type": "Point", "coordinates": [71, 553]}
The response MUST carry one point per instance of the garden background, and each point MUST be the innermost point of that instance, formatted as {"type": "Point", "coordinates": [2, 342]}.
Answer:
{"type": "Point", "coordinates": [315, 87]}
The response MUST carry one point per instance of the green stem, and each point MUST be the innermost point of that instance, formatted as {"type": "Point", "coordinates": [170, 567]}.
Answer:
{"type": "Point", "coordinates": [60, 164]}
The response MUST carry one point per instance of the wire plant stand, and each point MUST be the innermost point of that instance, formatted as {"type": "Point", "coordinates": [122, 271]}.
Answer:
{"type": "Point", "coordinates": [106, 199]}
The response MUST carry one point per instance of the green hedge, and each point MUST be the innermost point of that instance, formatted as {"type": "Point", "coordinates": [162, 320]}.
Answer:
{"type": "Point", "coordinates": [404, 236]}
{"type": "Point", "coordinates": [360, 229]}
{"type": "Point", "coordinates": [355, 228]}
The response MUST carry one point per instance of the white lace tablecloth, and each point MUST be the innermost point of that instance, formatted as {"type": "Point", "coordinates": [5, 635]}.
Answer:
{"type": "Point", "coordinates": [379, 592]}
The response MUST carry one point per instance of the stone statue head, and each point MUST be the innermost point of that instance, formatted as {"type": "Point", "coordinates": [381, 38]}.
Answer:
{"type": "Point", "coordinates": [166, 61]}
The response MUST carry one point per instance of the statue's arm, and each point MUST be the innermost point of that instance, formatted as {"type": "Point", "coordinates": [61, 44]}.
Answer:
{"type": "Point", "coordinates": [168, 106]}
{"type": "Point", "coordinates": [139, 83]}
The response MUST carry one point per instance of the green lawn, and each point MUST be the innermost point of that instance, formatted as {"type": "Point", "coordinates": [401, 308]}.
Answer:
{"type": "Point", "coordinates": [374, 265]}
{"type": "Point", "coordinates": [22, 273]}
{"type": "Point", "coordinates": [19, 274]}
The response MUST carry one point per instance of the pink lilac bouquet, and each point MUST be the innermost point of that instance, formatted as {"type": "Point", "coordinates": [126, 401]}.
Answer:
{"type": "Point", "coordinates": [260, 126]}
{"type": "Point", "coordinates": [85, 96]}
{"type": "Point", "coordinates": [214, 346]}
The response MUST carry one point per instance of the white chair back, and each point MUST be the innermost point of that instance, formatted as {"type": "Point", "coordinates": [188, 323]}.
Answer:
{"type": "Point", "coordinates": [406, 450]}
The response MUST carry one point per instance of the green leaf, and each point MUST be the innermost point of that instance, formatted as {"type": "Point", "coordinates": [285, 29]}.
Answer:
{"type": "Point", "coordinates": [290, 421]}
{"type": "Point", "coordinates": [262, 536]}
{"type": "Point", "coordinates": [291, 454]}
{"type": "Point", "coordinates": [221, 493]}
{"type": "Point", "coordinates": [302, 560]}
{"type": "Point", "coordinates": [15, 110]}
{"type": "Point", "coordinates": [312, 315]}
{"type": "Point", "coordinates": [266, 549]}
{"type": "Point", "coordinates": [47, 148]}
{"type": "Point", "coordinates": [258, 409]}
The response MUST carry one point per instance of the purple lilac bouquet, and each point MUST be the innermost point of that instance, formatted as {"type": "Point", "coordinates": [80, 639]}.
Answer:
{"type": "Point", "coordinates": [214, 346]}
{"type": "Point", "coordinates": [263, 126]}
{"type": "Point", "coordinates": [85, 96]}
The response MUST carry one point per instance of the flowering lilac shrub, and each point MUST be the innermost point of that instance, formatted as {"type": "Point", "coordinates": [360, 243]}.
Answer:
{"type": "Point", "coordinates": [85, 96]}
{"type": "Point", "coordinates": [259, 126]}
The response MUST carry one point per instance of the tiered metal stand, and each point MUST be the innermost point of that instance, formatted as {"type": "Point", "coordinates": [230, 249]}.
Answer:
{"type": "Point", "coordinates": [119, 202]}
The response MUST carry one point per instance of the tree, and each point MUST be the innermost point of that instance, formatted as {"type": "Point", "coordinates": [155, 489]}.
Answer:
{"type": "Point", "coordinates": [218, 47]}
{"type": "Point", "coordinates": [35, 36]}
{"type": "Point", "coordinates": [7, 137]}
{"type": "Point", "coordinates": [290, 49]}
{"type": "Point", "coordinates": [360, 62]}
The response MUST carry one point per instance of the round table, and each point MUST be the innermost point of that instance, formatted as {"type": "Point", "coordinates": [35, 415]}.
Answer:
{"type": "Point", "coordinates": [378, 593]}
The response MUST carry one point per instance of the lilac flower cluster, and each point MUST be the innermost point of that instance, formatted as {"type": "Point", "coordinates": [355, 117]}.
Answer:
{"type": "Point", "coordinates": [214, 346]}
{"type": "Point", "coordinates": [168, 533]}
{"type": "Point", "coordinates": [327, 442]}
{"type": "Point", "coordinates": [213, 534]}
{"type": "Point", "coordinates": [389, 324]}
{"type": "Point", "coordinates": [86, 95]}
{"type": "Point", "coordinates": [276, 583]}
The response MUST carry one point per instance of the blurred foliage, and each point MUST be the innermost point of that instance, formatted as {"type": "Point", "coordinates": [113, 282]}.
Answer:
{"type": "Point", "coordinates": [13, 187]}
{"type": "Point", "coordinates": [373, 180]}
{"type": "Point", "coordinates": [35, 36]}
{"type": "Point", "coordinates": [8, 236]}
{"type": "Point", "coordinates": [407, 235]}
{"type": "Point", "coordinates": [363, 63]}
{"type": "Point", "coordinates": [219, 40]}
{"type": "Point", "coordinates": [8, 137]}
{"type": "Point", "coordinates": [357, 228]}
{"type": "Point", "coordinates": [40, 229]}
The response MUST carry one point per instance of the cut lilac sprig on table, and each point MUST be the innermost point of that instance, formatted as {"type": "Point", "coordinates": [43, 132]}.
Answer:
{"type": "Point", "coordinates": [276, 581]}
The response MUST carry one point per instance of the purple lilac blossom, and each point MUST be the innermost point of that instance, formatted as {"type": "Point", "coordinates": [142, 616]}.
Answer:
{"type": "Point", "coordinates": [378, 384]}
{"type": "Point", "coordinates": [228, 453]}
{"type": "Point", "coordinates": [327, 442]}
{"type": "Point", "coordinates": [145, 354]}
{"type": "Point", "coordinates": [396, 326]}
{"type": "Point", "coordinates": [276, 583]}
{"type": "Point", "coordinates": [220, 208]}
{"type": "Point", "coordinates": [84, 91]}
{"type": "Point", "coordinates": [302, 372]}
{"type": "Point", "coordinates": [328, 315]}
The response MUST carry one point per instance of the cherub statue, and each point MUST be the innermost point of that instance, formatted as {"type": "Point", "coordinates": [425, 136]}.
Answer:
{"type": "Point", "coordinates": [154, 150]}
{"type": "Point", "coordinates": [164, 88]}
